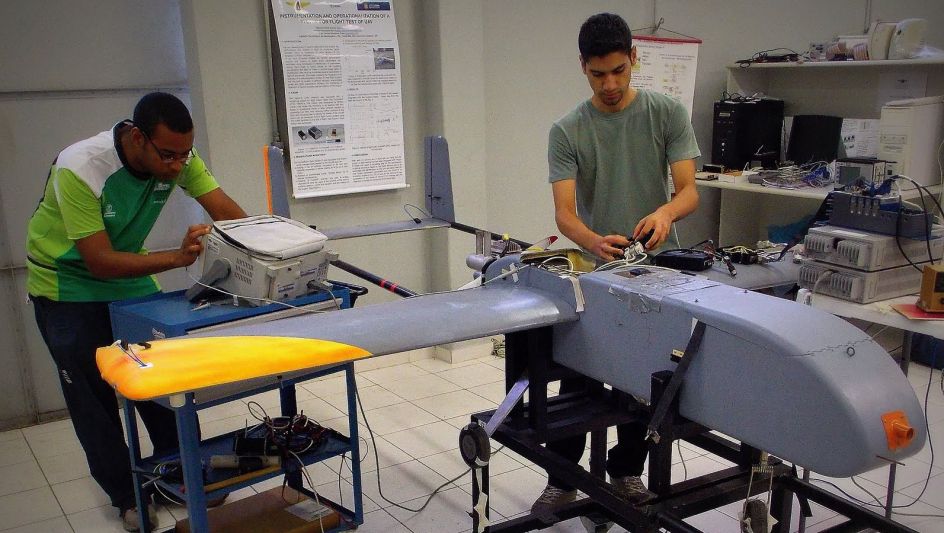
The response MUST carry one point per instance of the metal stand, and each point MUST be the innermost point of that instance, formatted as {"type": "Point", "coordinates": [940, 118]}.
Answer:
{"type": "Point", "coordinates": [525, 427]}
{"type": "Point", "coordinates": [859, 518]}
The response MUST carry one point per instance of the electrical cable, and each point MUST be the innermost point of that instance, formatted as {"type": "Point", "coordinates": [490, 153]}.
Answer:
{"type": "Point", "coordinates": [293, 426]}
{"type": "Point", "coordinates": [813, 174]}
{"type": "Point", "coordinates": [159, 471]}
{"type": "Point", "coordinates": [311, 484]}
{"type": "Point", "coordinates": [420, 209]}
{"type": "Point", "coordinates": [377, 461]}
{"type": "Point", "coordinates": [764, 56]}
{"type": "Point", "coordinates": [927, 479]}
{"type": "Point", "coordinates": [940, 182]}
{"type": "Point", "coordinates": [922, 190]}
{"type": "Point", "coordinates": [823, 277]}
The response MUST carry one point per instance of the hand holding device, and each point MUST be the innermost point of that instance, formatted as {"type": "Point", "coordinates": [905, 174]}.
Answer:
{"type": "Point", "coordinates": [192, 244]}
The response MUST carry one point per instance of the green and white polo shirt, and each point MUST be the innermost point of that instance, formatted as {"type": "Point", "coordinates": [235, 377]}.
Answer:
{"type": "Point", "coordinates": [89, 189]}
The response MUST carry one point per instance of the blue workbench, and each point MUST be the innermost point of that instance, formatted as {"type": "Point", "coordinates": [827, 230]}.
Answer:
{"type": "Point", "coordinates": [170, 315]}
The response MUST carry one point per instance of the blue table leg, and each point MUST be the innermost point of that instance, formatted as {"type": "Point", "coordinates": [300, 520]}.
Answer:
{"type": "Point", "coordinates": [189, 439]}
{"type": "Point", "coordinates": [290, 408]}
{"type": "Point", "coordinates": [355, 443]}
{"type": "Point", "coordinates": [287, 398]}
{"type": "Point", "coordinates": [134, 451]}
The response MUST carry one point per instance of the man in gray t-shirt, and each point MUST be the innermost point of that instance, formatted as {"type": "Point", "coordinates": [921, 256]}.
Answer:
{"type": "Point", "coordinates": [609, 160]}
{"type": "Point", "coordinates": [609, 157]}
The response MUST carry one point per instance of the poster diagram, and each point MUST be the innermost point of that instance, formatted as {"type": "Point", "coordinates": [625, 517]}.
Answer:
{"type": "Point", "coordinates": [342, 95]}
{"type": "Point", "coordinates": [667, 65]}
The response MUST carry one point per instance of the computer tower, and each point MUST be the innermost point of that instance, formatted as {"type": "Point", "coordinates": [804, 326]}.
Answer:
{"type": "Point", "coordinates": [744, 129]}
{"type": "Point", "coordinates": [910, 136]}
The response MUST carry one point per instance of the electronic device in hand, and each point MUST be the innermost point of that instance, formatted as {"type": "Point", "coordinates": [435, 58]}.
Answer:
{"type": "Point", "coordinates": [637, 247]}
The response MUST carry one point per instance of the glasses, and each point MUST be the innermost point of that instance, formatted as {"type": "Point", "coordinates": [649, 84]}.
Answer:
{"type": "Point", "coordinates": [167, 157]}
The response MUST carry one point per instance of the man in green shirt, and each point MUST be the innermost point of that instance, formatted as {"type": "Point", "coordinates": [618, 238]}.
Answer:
{"type": "Point", "coordinates": [608, 160]}
{"type": "Point", "coordinates": [85, 249]}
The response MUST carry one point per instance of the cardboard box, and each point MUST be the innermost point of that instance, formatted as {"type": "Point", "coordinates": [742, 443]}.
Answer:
{"type": "Point", "coordinates": [267, 512]}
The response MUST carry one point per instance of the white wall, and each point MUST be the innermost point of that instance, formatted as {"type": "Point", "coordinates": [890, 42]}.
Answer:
{"type": "Point", "coordinates": [69, 72]}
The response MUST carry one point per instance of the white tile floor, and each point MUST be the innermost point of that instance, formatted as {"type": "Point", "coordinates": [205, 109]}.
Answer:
{"type": "Point", "coordinates": [415, 410]}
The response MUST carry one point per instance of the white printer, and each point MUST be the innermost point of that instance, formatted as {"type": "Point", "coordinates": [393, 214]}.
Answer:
{"type": "Point", "coordinates": [263, 258]}
{"type": "Point", "coordinates": [910, 133]}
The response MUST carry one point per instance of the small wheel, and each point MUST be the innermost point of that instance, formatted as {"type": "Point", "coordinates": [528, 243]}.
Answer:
{"type": "Point", "coordinates": [474, 445]}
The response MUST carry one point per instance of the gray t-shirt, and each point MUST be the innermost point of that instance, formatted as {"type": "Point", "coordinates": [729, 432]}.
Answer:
{"type": "Point", "coordinates": [620, 160]}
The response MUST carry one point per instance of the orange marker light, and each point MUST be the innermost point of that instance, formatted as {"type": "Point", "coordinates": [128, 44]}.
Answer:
{"type": "Point", "coordinates": [897, 429]}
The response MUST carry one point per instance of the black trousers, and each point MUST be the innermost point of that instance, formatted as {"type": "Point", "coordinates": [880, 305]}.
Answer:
{"type": "Point", "coordinates": [72, 331]}
{"type": "Point", "coordinates": [627, 458]}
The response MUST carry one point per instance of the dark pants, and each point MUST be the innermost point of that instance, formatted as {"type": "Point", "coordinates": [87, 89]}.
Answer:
{"type": "Point", "coordinates": [627, 458]}
{"type": "Point", "coordinates": [72, 331]}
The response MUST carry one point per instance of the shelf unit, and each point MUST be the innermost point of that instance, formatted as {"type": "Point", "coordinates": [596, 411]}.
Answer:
{"type": "Point", "coordinates": [747, 209]}
{"type": "Point", "coordinates": [849, 89]}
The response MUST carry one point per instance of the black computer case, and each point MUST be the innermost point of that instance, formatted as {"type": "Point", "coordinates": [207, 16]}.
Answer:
{"type": "Point", "coordinates": [746, 129]}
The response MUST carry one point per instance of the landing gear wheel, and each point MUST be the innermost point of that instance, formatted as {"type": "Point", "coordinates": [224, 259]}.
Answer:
{"type": "Point", "coordinates": [474, 445]}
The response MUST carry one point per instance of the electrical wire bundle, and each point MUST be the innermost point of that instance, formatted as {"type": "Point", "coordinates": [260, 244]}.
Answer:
{"type": "Point", "coordinates": [742, 255]}
{"type": "Point", "coordinates": [765, 56]}
{"type": "Point", "coordinates": [901, 210]}
{"type": "Point", "coordinates": [738, 97]}
{"type": "Point", "coordinates": [290, 434]}
{"type": "Point", "coordinates": [815, 174]}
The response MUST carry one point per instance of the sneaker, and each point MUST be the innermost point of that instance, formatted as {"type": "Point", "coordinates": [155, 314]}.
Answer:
{"type": "Point", "coordinates": [130, 519]}
{"type": "Point", "coordinates": [632, 489]}
{"type": "Point", "coordinates": [552, 499]}
{"type": "Point", "coordinates": [216, 502]}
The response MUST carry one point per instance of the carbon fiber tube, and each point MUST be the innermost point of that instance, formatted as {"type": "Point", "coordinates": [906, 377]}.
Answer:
{"type": "Point", "coordinates": [391, 286]}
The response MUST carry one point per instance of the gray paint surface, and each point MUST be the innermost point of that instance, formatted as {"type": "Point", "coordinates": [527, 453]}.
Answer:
{"type": "Point", "coordinates": [423, 321]}
{"type": "Point", "coordinates": [783, 377]}
{"type": "Point", "coordinates": [786, 378]}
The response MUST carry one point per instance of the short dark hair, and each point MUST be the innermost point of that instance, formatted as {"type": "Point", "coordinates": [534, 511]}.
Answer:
{"type": "Point", "coordinates": [162, 108]}
{"type": "Point", "coordinates": [603, 34]}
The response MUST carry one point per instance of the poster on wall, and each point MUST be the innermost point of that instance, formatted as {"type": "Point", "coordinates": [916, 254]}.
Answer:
{"type": "Point", "coordinates": [341, 67]}
{"type": "Point", "coordinates": [667, 65]}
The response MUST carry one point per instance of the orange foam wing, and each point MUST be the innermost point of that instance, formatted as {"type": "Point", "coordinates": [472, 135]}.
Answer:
{"type": "Point", "coordinates": [188, 364]}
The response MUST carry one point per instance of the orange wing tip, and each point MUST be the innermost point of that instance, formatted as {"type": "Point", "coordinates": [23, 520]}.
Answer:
{"type": "Point", "coordinates": [898, 431]}
{"type": "Point", "coordinates": [187, 364]}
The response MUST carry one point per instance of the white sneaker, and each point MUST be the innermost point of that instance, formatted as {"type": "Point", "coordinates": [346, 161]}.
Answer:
{"type": "Point", "coordinates": [131, 520]}
{"type": "Point", "coordinates": [551, 499]}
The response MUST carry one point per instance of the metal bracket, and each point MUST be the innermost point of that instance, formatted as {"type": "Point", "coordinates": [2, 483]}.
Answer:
{"type": "Point", "coordinates": [511, 399]}
{"type": "Point", "coordinates": [671, 390]}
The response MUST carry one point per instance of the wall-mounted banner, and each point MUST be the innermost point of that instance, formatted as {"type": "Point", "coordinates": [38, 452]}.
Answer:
{"type": "Point", "coordinates": [341, 67]}
{"type": "Point", "coordinates": [667, 65]}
